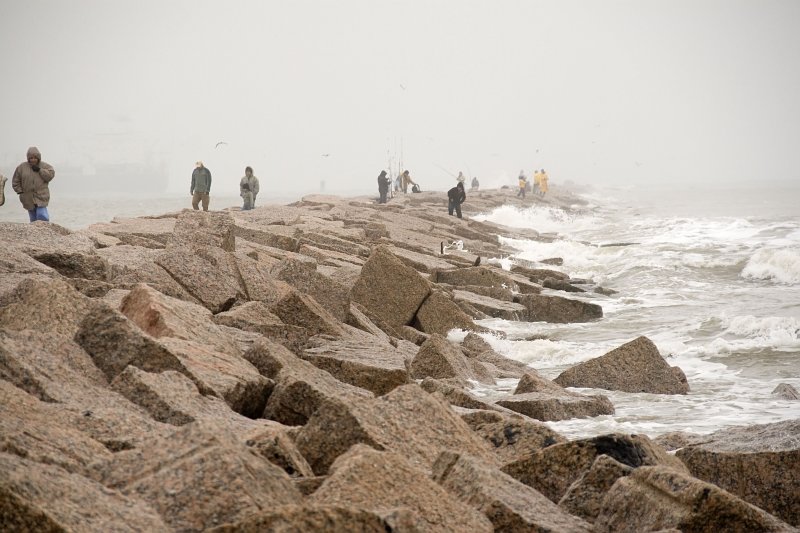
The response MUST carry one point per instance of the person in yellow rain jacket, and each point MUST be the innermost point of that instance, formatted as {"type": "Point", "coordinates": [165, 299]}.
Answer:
{"type": "Point", "coordinates": [543, 182]}
{"type": "Point", "coordinates": [523, 182]}
{"type": "Point", "coordinates": [536, 182]}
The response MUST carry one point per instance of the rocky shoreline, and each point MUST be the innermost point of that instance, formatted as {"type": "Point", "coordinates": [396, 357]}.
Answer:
{"type": "Point", "coordinates": [289, 369]}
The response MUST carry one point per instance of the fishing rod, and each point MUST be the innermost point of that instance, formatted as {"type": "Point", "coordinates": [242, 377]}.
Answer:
{"type": "Point", "coordinates": [442, 168]}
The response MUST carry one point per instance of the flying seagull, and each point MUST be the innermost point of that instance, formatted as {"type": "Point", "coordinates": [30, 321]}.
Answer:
{"type": "Point", "coordinates": [221, 142]}
{"type": "Point", "coordinates": [326, 155]}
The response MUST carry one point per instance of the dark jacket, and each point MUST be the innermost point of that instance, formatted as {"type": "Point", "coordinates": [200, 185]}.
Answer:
{"type": "Point", "coordinates": [457, 194]}
{"type": "Point", "coordinates": [383, 182]}
{"type": "Point", "coordinates": [33, 185]}
{"type": "Point", "coordinates": [201, 180]}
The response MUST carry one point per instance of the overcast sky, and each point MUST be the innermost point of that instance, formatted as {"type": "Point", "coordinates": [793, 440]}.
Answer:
{"type": "Point", "coordinates": [609, 92]}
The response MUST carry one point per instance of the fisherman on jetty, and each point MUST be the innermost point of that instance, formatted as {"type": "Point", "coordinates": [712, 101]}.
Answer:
{"type": "Point", "coordinates": [31, 182]}
{"type": "Point", "coordinates": [3, 180]}
{"type": "Point", "coordinates": [456, 196]}
{"type": "Point", "coordinates": [475, 184]}
{"type": "Point", "coordinates": [201, 186]}
{"type": "Point", "coordinates": [383, 186]}
{"type": "Point", "coordinates": [248, 189]}
{"type": "Point", "coordinates": [523, 183]}
{"type": "Point", "coordinates": [543, 183]}
{"type": "Point", "coordinates": [405, 181]}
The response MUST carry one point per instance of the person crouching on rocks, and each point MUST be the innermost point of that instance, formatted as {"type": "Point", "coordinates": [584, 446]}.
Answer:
{"type": "Point", "coordinates": [31, 182]}
{"type": "Point", "coordinates": [456, 196]}
{"type": "Point", "coordinates": [248, 189]}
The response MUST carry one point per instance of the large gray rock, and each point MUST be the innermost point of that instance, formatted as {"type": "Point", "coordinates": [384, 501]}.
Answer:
{"type": "Point", "coordinates": [456, 395]}
{"type": "Point", "coordinates": [198, 478]}
{"type": "Point", "coordinates": [257, 281]}
{"type": "Point", "coordinates": [15, 261]}
{"type": "Point", "coordinates": [385, 482]}
{"type": "Point", "coordinates": [513, 439]}
{"type": "Point", "coordinates": [760, 464]}
{"type": "Point", "coordinates": [272, 235]}
{"type": "Point", "coordinates": [161, 316]}
{"type": "Point", "coordinates": [203, 228]}
{"type": "Point", "coordinates": [633, 367]}
{"type": "Point", "coordinates": [44, 237]}
{"type": "Point", "coordinates": [360, 360]}
{"type": "Point", "coordinates": [584, 498]}
{"type": "Point", "coordinates": [316, 518]}
{"type": "Point", "coordinates": [154, 229]}
{"type": "Point", "coordinates": [507, 503]}
{"type": "Point", "coordinates": [297, 309]}
{"type": "Point", "coordinates": [230, 377]}
{"type": "Point", "coordinates": [494, 308]}
{"type": "Point", "coordinates": [408, 421]}
{"type": "Point", "coordinates": [480, 276]}
{"type": "Point", "coordinates": [439, 314]}
{"type": "Point", "coordinates": [114, 342]}
{"type": "Point", "coordinates": [206, 272]}
{"type": "Point", "coordinates": [43, 432]}
{"type": "Point", "coordinates": [544, 308]}
{"type": "Point", "coordinates": [531, 381]}
{"type": "Point", "coordinates": [76, 265]}
{"type": "Point", "coordinates": [53, 305]}
{"type": "Point", "coordinates": [440, 359]}
{"type": "Point", "coordinates": [655, 498]}
{"type": "Point", "coordinates": [256, 317]}
{"type": "Point", "coordinates": [55, 369]}
{"type": "Point", "coordinates": [333, 296]}
{"type": "Point", "coordinates": [786, 392]}
{"type": "Point", "coordinates": [389, 289]}
{"type": "Point", "coordinates": [38, 497]}
{"type": "Point", "coordinates": [558, 405]}
{"type": "Point", "coordinates": [553, 469]}
{"type": "Point", "coordinates": [300, 387]}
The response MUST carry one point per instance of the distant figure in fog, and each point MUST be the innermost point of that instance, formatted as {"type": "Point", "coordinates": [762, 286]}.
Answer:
{"type": "Point", "coordinates": [456, 196]}
{"type": "Point", "coordinates": [543, 187]}
{"type": "Point", "coordinates": [536, 182]}
{"type": "Point", "coordinates": [475, 184]}
{"type": "Point", "coordinates": [3, 181]}
{"type": "Point", "coordinates": [523, 184]}
{"type": "Point", "coordinates": [248, 189]}
{"type": "Point", "coordinates": [461, 178]}
{"type": "Point", "coordinates": [31, 182]}
{"type": "Point", "coordinates": [383, 186]}
{"type": "Point", "coordinates": [405, 181]}
{"type": "Point", "coordinates": [201, 186]}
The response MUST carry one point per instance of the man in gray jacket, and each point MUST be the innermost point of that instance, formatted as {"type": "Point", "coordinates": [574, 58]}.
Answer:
{"type": "Point", "coordinates": [31, 182]}
{"type": "Point", "coordinates": [201, 186]}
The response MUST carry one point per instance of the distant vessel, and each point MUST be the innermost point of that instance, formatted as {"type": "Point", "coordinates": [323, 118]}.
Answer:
{"type": "Point", "coordinates": [110, 179]}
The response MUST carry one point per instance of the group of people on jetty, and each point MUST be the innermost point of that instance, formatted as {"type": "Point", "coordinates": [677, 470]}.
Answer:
{"type": "Point", "coordinates": [457, 195]}
{"type": "Point", "coordinates": [32, 178]}
{"type": "Point", "coordinates": [539, 187]}
{"type": "Point", "coordinates": [31, 181]}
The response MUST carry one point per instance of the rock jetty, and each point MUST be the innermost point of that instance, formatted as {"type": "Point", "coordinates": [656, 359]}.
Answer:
{"type": "Point", "coordinates": [290, 368]}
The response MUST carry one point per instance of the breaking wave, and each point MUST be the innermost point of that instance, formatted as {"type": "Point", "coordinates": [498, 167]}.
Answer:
{"type": "Point", "coordinates": [779, 265]}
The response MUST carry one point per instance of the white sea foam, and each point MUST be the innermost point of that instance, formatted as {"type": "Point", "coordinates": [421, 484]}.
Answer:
{"type": "Point", "coordinates": [544, 219]}
{"type": "Point", "coordinates": [780, 265]}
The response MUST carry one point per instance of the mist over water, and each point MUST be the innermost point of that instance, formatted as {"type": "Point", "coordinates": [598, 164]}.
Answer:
{"type": "Point", "coordinates": [713, 279]}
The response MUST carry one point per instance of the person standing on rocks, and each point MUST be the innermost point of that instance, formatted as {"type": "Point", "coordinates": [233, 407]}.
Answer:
{"type": "Point", "coordinates": [248, 189]}
{"type": "Point", "coordinates": [383, 186]}
{"type": "Point", "coordinates": [543, 183]}
{"type": "Point", "coordinates": [31, 182]}
{"type": "Point", "coordinates": [3, 180]}
{"type": "Point", "coordinates": [456, 196]}
{"type": "Point", "coordinates": [523, 184]}
{"type": "Point", "coordinates": [201, 186]}
{"type": "Point", "coordinates": [475, 183]}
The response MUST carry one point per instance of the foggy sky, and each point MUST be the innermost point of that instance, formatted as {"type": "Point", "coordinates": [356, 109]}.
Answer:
{"type": "Point", "coordinates": [625, 92]}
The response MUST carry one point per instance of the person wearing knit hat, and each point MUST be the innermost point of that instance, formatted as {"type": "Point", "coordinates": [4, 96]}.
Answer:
{"type": "Point", "coordinates": [461, 178]}
{"type": "Point", "coordinates": [201, 186]}
{"type": "Point", "coordinates": [31, 182]}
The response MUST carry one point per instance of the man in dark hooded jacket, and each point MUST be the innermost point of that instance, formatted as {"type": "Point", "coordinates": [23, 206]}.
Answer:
{"type": "Point", "coordinates": [456, 196]}
{"type": "Point", "coordinates": [31, 182]}
{"type": "Point", "coordinates": [383, 186]}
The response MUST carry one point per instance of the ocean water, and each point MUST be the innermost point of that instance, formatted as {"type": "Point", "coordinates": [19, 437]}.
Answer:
{"type": "Point", "coordinates": [711, 277]}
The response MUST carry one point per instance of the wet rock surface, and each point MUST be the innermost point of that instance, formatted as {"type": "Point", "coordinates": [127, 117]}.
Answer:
{"type": "Point", "coordinates": [301, 368]}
